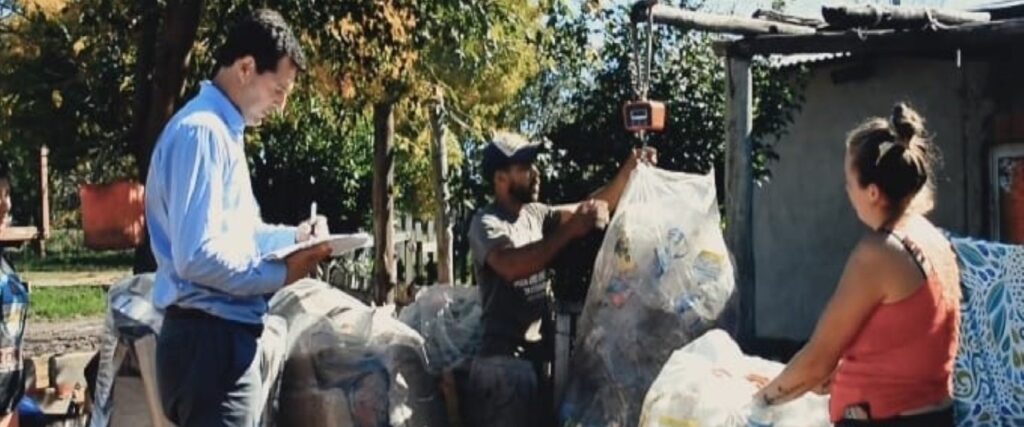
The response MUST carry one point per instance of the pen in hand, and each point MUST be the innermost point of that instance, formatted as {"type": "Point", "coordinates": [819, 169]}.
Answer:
{"type": "Point", "coordinates": [312, 221]}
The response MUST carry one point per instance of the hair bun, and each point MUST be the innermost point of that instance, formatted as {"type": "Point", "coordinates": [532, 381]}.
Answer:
{"type": "Point", "coordinates": [906, 124]}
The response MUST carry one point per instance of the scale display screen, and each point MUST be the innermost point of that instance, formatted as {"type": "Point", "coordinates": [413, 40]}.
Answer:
{"type": "Point", "coordinates": [647, 116]}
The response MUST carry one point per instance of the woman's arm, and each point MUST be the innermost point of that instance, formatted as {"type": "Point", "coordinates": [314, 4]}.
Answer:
{"type": "Point", "coordinates": [860, 290]}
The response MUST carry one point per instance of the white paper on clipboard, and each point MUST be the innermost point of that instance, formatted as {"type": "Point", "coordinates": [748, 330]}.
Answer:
{"type": "Point", "coordinates": [341, 244]}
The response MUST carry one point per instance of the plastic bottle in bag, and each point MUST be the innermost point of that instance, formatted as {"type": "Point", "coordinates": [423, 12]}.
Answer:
{"type": "Point", "coordinates": [761, 415]}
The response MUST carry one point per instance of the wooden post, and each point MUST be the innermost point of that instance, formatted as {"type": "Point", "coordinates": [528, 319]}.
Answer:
{"type": "Point", "coordinates": [44, 198]}
{"type": "Point", "coordinates": [442, 223]}
{"type": "Point", "coordinates": [976, 112]}
{"type": "Point", "coordinates": [739, 184]}
{"type": "Point", "coordinates": [408, 263]}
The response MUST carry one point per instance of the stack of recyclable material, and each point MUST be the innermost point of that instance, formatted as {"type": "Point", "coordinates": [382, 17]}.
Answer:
{"type": "Point", "coordinates": [348, 364]}
{"type": "Point", "coordinates": [709, 383]}
{"type": "Point", "coordinates": [448, 318]}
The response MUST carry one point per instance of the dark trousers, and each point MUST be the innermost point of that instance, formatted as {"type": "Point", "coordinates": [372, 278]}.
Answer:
{"type": "Point", "coordinates": [943, 418]}
{"type": "Point", "coordinates": [208, 370]}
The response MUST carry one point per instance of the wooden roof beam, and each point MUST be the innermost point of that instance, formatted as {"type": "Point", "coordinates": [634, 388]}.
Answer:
{"type": "Point", "coordinates": [690, 20]}
{"type": "Point", "coordinates": [870, 16]}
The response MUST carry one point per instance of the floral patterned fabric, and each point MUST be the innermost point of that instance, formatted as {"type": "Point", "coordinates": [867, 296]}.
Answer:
{"type": "Point", "coordinates": [988, 379]}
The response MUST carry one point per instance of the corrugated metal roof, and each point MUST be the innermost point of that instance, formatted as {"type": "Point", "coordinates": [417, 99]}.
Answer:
{"type": "Point", "coordinates": [998, 5]}
{"type": "Point", "coordinates": [784, 61]}
{"type": "Point", "coordinates": [1005, 9]}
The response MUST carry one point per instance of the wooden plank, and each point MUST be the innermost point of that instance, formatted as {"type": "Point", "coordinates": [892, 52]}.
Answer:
{"type": "Point", "coordinates": [18, 234]}
{"type": "Point", "coordinates": [772, 15]}
{"type": "Point", "coordinates": [420, 231]}
{"type": "Point", "coordinates": [967, 36]}
{"type": "Point", "coordinates": [44, 196]}
{"type": "Point", "coordinates": [690, 20]}
{"type": "Point", "coordinates": [739, 184]}
{"type": "Point", "coordinates": [872, 16]}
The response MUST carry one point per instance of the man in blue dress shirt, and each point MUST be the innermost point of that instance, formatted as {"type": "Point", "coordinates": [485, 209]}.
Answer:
{"type": "Point", "coordinates": [208, 237]}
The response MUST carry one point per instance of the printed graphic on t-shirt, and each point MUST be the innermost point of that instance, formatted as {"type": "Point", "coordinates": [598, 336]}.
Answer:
{"type": "Point", "coordinates": [534, 287]}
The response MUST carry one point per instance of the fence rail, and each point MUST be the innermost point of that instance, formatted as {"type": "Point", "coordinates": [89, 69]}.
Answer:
{"type": "Point", "coordinates": [416, 252]}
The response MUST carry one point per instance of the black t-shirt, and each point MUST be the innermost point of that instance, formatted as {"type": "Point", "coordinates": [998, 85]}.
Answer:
{"type": "Point", "coordinates": [512, 312]}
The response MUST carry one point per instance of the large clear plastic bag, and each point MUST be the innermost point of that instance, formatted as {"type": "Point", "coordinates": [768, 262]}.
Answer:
{"type": "Point", "coordinates": [448, 318]}
{"type": "Point", "coordinates": [663, 277]}
{"type": "Point", "coordinates": [348, 364]}
{"type": "Point", "coordinates": [705, 384]}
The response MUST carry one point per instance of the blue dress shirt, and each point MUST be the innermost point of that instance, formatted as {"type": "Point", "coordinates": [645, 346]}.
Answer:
{"type": "Point", "coordinates": [204, 224]}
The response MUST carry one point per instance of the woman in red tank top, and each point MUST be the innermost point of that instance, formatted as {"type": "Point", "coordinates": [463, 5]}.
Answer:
{"type": "Point", "coordinates": [886, 342]}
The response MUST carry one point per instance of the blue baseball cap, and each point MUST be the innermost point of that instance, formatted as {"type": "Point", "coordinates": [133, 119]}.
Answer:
{"type": "Point", "coordinates": [506, 149]}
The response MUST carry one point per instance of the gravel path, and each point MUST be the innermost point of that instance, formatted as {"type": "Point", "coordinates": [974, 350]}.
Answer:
{"type": "Point", "coordinates": [73, 278]}
{"type": "Point", "coordinates": [45, 338]}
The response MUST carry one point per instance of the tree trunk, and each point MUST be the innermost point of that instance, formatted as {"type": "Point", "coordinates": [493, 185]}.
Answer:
{"type": "Point", "coordinates": [384, 267]}
{"type": "Point", "coordinates": [160, 90]}
{"type": "Point", "coordinates": [442, 222]}
{"type": "Point", "coordinates": [146, 52]}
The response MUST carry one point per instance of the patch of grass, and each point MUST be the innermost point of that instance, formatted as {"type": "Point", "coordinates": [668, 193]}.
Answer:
{"type": "Point", "coordinates": [66, 251]}
{"type": "Point", "coordinates": [67, 302]}
{"type": "Point", "coordinates": [88, 261]}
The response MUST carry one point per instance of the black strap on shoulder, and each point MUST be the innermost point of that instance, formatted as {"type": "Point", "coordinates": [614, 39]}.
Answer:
{"type": "Point", "coordinates": [913, 249]}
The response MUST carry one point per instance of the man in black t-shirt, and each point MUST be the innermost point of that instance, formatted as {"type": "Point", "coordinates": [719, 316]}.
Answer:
{"type": "Point", "coordinates": [513, 240]}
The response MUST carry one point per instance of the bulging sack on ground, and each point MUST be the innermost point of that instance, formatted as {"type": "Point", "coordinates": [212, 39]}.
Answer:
{"type": "Point", "coordinates": [348, 364]}
{"type": "Point", "coordinates": [448, 318]}
{"type": "Point", "coordinates": [705, 384]}
{"type": "Point", "coordinates": [501, 391]}
{"type": "Point", "coordinates": [662, 278]}
{"type": "Point", "coordinates": [130, 316]}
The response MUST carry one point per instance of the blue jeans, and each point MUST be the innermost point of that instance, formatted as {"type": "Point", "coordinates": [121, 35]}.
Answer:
{"type": "Point", "coordinates": [208, 370]}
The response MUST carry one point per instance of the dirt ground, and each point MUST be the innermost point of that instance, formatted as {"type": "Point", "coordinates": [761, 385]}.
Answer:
{"type": "Point", "coordinates": [45, 338]}
{"type": "Point", "coordinates": [63, 278]}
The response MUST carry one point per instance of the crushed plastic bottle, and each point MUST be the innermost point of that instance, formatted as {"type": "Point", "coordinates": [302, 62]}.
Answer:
{"type": "Point", "coordinates": [761, 415]}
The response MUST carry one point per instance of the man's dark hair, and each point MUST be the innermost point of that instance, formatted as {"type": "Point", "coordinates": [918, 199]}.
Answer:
{"type": "Point", "coordinates": [5, 173]}
{"type": "Point", "coordinates": [266, 37]}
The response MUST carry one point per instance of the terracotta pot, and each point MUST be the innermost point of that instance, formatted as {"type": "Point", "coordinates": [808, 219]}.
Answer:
{"type": "Point", "coordinates": [113, 215]}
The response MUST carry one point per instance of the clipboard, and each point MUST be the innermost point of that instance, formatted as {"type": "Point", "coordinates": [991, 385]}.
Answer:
{"type": "Point", "coordinates": [341, 244]}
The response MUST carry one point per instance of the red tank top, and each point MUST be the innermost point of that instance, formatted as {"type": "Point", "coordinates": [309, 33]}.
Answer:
{"type": "Point", "coordinates": [902, 358]}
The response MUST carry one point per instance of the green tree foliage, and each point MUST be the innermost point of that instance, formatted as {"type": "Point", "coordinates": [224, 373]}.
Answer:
{"type": "Point", "coordinates": [391, 55]}
{"type": "Point", "coordinates": [587, 134]}
{"type": "Point", "coordinates": [576, 104]}
{"type": "Point", "coordinates": [68, 80]}
{"type": "Point", "coordinates": [319, 152]}
{"type": "Point", "coordinates": [550, 68]}
{"type": "Point", "coordinates": [64, 78]}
